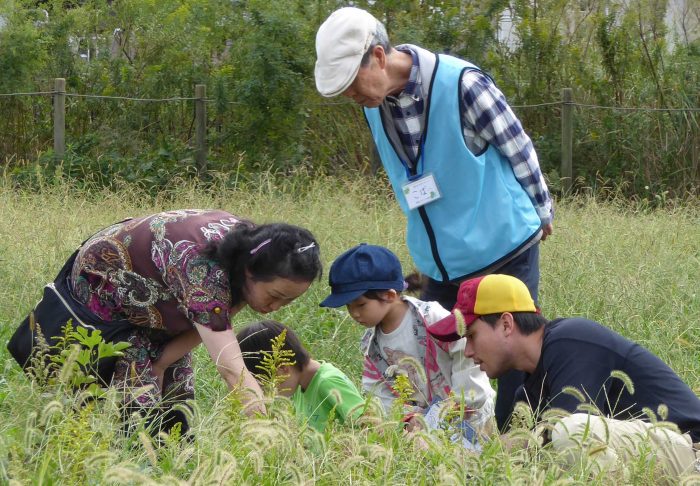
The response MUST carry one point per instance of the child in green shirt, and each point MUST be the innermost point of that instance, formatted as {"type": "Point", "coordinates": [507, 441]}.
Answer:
{"type": "Point", "coordinates": [316, 388]}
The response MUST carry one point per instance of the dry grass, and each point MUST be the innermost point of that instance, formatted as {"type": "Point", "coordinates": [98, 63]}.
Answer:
{"type": "Point", "coordinates": [632, 268]}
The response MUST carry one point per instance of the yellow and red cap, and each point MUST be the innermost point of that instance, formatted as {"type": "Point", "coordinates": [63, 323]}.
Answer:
{"type": "Point", "coordinates": [490, 294]}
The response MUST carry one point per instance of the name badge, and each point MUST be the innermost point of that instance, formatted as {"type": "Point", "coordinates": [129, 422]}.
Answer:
{"type": "Point", "coordinates": [421, 191]}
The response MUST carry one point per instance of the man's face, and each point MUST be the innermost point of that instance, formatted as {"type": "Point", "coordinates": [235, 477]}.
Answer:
{"type": "Point", "coordinates": [370, 85]}
{"type": "Point", "coordinates": [487, 346]}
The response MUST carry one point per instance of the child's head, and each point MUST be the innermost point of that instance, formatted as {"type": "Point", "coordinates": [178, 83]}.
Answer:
{"type": "Point", "coordinates": [361, 269]}
{"type": "Point", "coordinates": [257, 337]}
{"type": "Point", "coordinates": [362, 274]}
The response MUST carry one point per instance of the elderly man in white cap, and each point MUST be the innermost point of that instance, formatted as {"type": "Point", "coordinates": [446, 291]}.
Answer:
{"type": "Point", "coordinates": [464, 172]}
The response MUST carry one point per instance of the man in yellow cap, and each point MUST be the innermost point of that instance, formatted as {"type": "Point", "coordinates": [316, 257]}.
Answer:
{"type": "Point", "coordinates": [619, 378]}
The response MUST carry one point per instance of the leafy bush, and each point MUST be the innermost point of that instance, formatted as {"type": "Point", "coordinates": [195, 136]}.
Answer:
{"type": "Point", "coordinates": [256, 59]}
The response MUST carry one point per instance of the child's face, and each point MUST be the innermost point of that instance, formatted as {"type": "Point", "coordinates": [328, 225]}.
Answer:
{"type": "Point", "coordinates": [291, 380]}
{"type": "Point", "coordinates": [368, 312]}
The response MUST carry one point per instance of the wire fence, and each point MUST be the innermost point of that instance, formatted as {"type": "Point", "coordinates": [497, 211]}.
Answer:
{"type": "Point", "coordinates": [337, 103]}
{"type": "Point", "coordinates": [59, 95]}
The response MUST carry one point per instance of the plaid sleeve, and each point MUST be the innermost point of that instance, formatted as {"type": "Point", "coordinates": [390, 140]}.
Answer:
{"type": "Point", "coordinates": [488, 119]}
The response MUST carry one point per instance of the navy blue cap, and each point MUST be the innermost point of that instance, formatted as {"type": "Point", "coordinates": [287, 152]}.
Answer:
{"type": "Point", "coordinates": [362, 268]}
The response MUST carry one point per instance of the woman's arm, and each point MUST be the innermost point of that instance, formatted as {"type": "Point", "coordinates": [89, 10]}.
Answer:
{"type": "Point", "coordinates": [224, 350]}
{"type": "Point", "coordinates": [175, 349]}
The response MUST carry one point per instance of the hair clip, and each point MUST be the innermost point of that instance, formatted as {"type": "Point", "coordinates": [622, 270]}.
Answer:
{"type": "Point", "coordinates": [257, 248]}
{"type": "Point", "coordinates": [302, 249]}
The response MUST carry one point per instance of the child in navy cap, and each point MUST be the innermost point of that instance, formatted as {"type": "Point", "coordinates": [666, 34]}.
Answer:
{"type": "Point", "coordinates": [368, 280]}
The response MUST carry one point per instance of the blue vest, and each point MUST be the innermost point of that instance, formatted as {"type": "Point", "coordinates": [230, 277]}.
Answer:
{"type": "Point", "coordinates": [484, 215]}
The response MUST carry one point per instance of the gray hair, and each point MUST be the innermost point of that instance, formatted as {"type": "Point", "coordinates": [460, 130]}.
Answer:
{"type": "Point", "coordinates": [380, 38]}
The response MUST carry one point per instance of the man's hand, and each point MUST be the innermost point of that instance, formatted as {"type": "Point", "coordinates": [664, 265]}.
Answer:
{"type": "Point", "coordinates": [466, 412]}
{"type": "Point", "coordinates": [513, 443]}
{"type": "Point", "coordinates": [547, 230]}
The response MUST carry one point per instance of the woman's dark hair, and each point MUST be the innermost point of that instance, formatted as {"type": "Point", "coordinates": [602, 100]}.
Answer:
{"type": "Point", "coordinates": [414, 283]}
{"type": "Point", "coordinates": [267, 251]}
{"type": "Point", "coordinates": [257, 337]}
{"type": "Point", "coordinates": [528, 322]}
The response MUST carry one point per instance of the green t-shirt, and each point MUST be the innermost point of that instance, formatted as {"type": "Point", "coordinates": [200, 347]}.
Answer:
{"type": "Point", "coordinates": [315, 404]}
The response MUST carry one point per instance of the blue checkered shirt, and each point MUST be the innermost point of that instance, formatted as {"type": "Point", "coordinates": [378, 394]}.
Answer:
{"type": "Point", "coordinates": [487, 119]}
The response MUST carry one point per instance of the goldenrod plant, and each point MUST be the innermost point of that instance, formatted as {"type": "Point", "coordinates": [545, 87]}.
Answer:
{"type": "Point", "coordinates": [268, 372]}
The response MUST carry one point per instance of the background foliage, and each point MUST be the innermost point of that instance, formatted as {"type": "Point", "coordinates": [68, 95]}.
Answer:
{"type": "Point", "coordinates": [256, 59]}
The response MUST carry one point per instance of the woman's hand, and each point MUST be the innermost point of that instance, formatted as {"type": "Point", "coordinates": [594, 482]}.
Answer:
{"type": "Point", "coordinates": [226, 354]}
{"type": "Point", "coordinates": [158, 372]}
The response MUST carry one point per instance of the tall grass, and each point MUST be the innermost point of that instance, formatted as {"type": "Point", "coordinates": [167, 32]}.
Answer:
{"type": "Point", "coordinates": [633, 268]}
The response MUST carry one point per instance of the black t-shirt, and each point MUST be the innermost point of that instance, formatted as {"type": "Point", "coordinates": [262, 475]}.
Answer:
{"type": "Point", "coordinates": [582, 354]}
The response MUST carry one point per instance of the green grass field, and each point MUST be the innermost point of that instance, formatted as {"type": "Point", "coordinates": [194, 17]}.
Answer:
{"type": "Point", "coordinates": [630, 267]}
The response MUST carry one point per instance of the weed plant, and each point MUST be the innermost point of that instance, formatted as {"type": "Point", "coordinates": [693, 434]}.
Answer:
{"type": "Point", "coordinates": [634, 267]}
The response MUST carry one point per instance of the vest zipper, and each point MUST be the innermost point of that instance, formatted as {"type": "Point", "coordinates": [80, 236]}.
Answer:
{"type": "Point", "coordinates": [433, 243]}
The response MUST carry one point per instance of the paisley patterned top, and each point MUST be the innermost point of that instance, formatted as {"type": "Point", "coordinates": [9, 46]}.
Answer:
{"type": "Point", "coordinates": [150, 271]}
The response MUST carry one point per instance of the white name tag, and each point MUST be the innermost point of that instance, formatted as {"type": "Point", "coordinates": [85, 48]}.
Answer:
{"type": "Point", "coordinates": [421, 191]}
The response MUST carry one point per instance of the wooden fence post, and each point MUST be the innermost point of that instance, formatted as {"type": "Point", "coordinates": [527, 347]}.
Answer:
{"type": "Point", "coordinates": [59, 117]}
{"type": "Point", "coordinates": [200, 114]}
{"type": "Point", "coordinates": [567, 136]}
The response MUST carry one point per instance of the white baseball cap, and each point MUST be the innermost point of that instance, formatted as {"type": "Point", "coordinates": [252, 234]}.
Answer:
{"type": "Point", "coordinates": [341, 41]}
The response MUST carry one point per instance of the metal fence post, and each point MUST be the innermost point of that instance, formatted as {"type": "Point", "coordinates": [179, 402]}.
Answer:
{"type": "Point", "coordinates": [59, 117]}
{"type": "Point", "coordinates": [200, 114]}
{"type": "Point", "coordinates": [567, 136]}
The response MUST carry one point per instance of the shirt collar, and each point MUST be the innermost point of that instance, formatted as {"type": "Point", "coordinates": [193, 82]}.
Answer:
{"type": "Point", "coordinates": [413, 85]}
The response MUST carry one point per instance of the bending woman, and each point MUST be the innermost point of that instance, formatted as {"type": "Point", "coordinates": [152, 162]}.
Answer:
{"type": "Point", "coordinates": [167, 282]}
